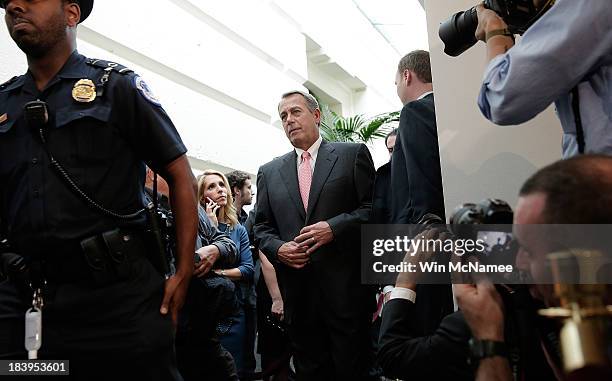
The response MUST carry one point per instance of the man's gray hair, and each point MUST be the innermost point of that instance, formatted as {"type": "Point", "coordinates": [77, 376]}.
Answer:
{"type": "Point", "coordinates": [311, 101]}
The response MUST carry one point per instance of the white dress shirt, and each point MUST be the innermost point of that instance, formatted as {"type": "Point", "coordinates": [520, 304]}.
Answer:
{"type": "Point", "coordinates": [424, 95]}
{"type": "Point", "coordinates": [403, 293]}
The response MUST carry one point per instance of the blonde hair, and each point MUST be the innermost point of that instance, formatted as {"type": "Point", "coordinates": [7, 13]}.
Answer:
{"type": "Point", "coordinates": [229, 210]}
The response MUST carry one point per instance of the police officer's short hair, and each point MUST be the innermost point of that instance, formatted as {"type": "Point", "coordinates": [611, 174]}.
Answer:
{"type": "Point", "coordinates": [311, 102]}
{"type": "Point", "coordinates": [237, 179]}
{"type": "Point", "coordinates": [417, 62]}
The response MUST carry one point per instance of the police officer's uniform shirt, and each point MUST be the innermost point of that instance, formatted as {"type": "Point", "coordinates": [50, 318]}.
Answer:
{"type": "Point", "coordinates": [103, 144]}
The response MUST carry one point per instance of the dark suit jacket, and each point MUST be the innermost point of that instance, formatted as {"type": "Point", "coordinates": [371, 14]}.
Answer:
{"type": "Point", "coordinates": [416, 179]}
{"type": "Point", "coordinates": [341, 194]}
{"type": "Point", "coordinates": [381, 202]}
{"type": "Point", "coordinates": [405, 354]}
{"type": "Point", "coordinates": [416, 189]}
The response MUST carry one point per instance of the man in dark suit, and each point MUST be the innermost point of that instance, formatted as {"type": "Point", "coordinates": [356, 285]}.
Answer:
{"type": "Point", "coordinates": [416, 182]}
{"type": "Point", "coordinates": [310, 204]}
{"type": "Point", "coordinates": [415, 169]}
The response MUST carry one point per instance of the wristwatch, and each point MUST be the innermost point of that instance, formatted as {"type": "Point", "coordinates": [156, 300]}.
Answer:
{"type": "Point", "coordinates": [223, 272]}
{"type": "Point", "coordinates": [480, 349]}
{"type": "Point", "coordinates": [499, 32]}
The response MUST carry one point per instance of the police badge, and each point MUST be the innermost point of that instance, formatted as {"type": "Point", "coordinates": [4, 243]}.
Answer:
{"type": "Point", "coordinates": [84, 91]}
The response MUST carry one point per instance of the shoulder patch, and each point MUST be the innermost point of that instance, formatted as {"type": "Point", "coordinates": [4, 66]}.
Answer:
{"type": "Point", "coordinates": [145, 90]}
{"type": "Point", "coordinates": [108, 64]}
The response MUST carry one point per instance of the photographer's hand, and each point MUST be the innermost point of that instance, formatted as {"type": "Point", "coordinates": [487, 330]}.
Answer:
{"type": "Point", "coordinates": [482, 308]}
{"type": "Point", "coordinates": [488, 21]}
{"type": "Point", "coordinates": [410, 279]}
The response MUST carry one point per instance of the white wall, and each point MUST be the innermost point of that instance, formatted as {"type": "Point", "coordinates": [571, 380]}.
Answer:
{"type": "Point", "coordinates": [480, 159]}
{"type": "Point", "coordinates": [220, 66]}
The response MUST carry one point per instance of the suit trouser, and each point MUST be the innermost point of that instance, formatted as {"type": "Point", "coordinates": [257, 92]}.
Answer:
{"type": "Point", "coordinates": [330, 345]}
{"type": "Point", "coordinates": [107, 332]}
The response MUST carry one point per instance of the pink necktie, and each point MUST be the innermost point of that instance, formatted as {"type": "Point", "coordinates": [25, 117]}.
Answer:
{"type": "Point", "coordinates": [305, 178]}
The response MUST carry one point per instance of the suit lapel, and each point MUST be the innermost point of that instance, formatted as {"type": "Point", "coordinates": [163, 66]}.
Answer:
{"type": "Point", "coordinates": [326, 159]}
{"type": "Point", "coordinates": [288, 172]}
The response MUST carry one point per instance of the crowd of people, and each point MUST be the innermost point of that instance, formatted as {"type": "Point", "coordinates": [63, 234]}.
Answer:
{"type": "Point", "coordinates": [142, 271]}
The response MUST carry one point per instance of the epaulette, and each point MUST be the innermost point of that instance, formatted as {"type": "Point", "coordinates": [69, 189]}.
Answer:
{"type": "Point", "coordinates": [9, 82]}
{"type": "Point", "coordinates": [108, 65]}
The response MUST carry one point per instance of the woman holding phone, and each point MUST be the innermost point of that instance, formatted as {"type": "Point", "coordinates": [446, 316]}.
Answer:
{"type": "Point", "coordinates": [215, 196]}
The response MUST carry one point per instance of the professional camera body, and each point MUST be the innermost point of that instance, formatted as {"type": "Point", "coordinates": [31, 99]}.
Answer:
{"type": "Point", "coordinates": [489, 222]}
{"type": "Point", "coordinates": [495, 215]}
{"type": "Point", "coordinates": [458, 32]}
{"type": "Point", "coordinates": [489, 211]}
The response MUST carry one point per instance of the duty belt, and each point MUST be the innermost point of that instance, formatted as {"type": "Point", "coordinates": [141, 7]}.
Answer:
{"type": "Point", "coordinates": [101, 259]}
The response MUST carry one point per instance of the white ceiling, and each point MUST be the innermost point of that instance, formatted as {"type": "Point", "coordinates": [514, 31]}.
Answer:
{"type": "Point", "coordinates": [401, 22]}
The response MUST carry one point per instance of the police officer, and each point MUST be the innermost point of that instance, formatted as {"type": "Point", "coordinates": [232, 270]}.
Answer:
{"type": "Point", "coordinates": [72, 169]}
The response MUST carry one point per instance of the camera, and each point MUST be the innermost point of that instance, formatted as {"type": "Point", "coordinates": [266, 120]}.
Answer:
{"type": "Point", "coordinates": [494, 213]}
{"type": "Point", "coordinates": [489, 211]}
{"type": "Point", "coordinates": [489, 223]}
{"type": "Point", "coordinates": [458, 32]}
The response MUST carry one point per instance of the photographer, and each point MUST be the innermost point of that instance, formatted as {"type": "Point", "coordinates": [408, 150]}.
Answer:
{"type": "Point", "coordinates": [405, 353]}
{"type": "Point", "coordinates": [574, 191]}
{"type": "Point", "coordinates": [504, 313]}
{"type": "Point", "coordinates": [565, 57]}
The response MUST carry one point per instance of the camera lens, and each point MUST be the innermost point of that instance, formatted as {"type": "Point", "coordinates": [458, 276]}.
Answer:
{"type": "Point", "coordinates": [458, 32]}
{"type": "Point", "coordinates": [467, 213]}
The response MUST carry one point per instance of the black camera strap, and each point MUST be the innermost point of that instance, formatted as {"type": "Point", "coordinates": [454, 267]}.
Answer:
{"type": "Point", "coordinates": [538, 13]}
{"type": "Point", "coordinates": [578, 120]}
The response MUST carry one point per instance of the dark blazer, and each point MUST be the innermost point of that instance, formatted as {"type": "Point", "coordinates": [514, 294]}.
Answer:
{"type": "Point", "coordinates": [404, 354]}
{"type": "Point", "coordinates": [341, 194]}
{"type": "Point", "coordinates": [416, 189]}
{"type": "Point", "coordinates": [381, 202]}
{"type": "Point", "coordinates": [416, 179]}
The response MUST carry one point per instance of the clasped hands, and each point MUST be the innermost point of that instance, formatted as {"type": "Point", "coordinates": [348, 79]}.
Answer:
{"type": "Point", "coordinates": [296, 253]}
